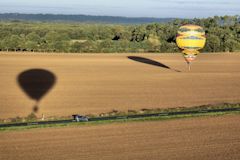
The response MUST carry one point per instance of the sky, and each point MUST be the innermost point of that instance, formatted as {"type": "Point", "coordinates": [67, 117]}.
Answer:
{"type": "Point", "coordinates": [126, 8]}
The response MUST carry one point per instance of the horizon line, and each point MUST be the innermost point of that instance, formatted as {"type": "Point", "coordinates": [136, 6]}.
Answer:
{"type": "Point", "coordinates": [113, 16]}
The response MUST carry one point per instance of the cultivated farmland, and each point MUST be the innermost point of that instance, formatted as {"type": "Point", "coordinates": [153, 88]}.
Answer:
{"type": "Point", "coordinates": [96, 83]}
{"type": "Point", "coordinates": [188, 139]}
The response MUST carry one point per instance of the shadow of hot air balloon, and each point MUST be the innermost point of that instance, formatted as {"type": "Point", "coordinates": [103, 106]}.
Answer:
{"type": "Point", "coordinates": [36, 83]}
{"type": "Point", "coordinates": [151, 62]}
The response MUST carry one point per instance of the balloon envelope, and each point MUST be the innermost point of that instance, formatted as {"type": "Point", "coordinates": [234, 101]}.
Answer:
{"type": "Point", "coordinates": [191, 37]}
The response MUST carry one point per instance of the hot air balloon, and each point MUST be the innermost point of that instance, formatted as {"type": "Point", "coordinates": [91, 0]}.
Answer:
{"type": "Point", "coordinates": [190, 39]}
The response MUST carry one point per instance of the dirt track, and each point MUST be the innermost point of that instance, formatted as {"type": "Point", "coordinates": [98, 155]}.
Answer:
{"type": "Point", "coordinates": [96, 83]}
{"type": "Point", "coordinates": [188, 139]}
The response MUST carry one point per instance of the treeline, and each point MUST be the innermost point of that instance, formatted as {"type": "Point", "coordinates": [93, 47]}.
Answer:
{"type": "Point", "coordinates": [223, 35]}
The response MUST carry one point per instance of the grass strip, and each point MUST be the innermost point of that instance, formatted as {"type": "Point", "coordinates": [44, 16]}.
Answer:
{"type": "Point", "coordinates": [91, 123]}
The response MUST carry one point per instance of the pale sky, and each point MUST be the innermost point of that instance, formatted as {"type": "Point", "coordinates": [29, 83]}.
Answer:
{"type": "Point", "coordinates": [126, 8]}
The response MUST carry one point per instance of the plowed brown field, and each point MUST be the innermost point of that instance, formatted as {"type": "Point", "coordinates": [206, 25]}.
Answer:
{"type": "Point", "coordinates": [95, 83]}
{"type": "Point", "coordinates": [188, 139]}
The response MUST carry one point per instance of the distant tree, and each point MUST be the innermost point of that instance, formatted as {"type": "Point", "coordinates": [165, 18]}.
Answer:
{"type": "Point", "coordinates": [5, 44]}
{"type": "Point", "coordinates": [57, 41]}
{"type": "Point", "coordinates": [76, 47]}
{"type": "Point", "coordinates": [231, 45]}
{"type": "Point", "coordinates": [105, 46]}
{"type": "Point", "coordinates": [154, 43]}
{"type": "Point", "coordinates": [11, 43]}
{"type": "Point", "coordinates": [33, 37]}
{"type": "Point", "coordinates": [1, 45]}
{"type": "Point", "coordinates": [31, 45]}
{"type": "Point", "coordinates": [139, 34]}
{"type": "Point", "coordinates": [212, 44]}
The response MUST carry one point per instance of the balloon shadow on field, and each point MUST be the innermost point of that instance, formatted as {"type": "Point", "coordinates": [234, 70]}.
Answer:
{"type": "Point", "coordinates": [36, 83]}
{"type": "Point", "coordinates": [151, 62]}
